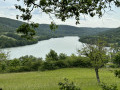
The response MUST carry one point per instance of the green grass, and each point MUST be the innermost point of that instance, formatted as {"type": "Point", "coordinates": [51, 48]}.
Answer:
{"type": "Point", "coordinates": [48, 80]}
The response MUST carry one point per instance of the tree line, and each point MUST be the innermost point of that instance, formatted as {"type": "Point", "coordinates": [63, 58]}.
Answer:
{"type": "Point", "coordinates": [52, 61]}
{"type": "Point", "coordinates": [111, 37]}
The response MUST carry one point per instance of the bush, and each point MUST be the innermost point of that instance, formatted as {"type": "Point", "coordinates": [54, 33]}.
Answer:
{"type": "Point", "coordinates": [13, 69]}
{"type": "Point", "coordinates": [117, 73]}
{"type": "Point", "coordinates": [61, 64]}
{"type": "Point", "coordinates": [116, 59]}
{"type": "Point", "coordinates": [24, 69]}
{"type": "Point", "coordinates": [19, 69]}
{"type": "Point", "coordinates": [49, 66]}
{"type": "Point", "coordinates": [62, 56]}
{"type": "Point", "coordinates": [71, 61]}
{"type": "Point", "coordinates": [52, 56]}
{"type": "Point", "coordinates": [110, 87]}
{"type": "Point", "coordinates": [35, 65]}
{"type": "Point", "coordinates": [78, 61]}
{"type": "Point", "coordinates": [67, 86]}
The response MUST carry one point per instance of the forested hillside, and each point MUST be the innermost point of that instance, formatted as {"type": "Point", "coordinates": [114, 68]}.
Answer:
{"type": "Point", "coordinates": [9, 37]}
{"type": "Point", "coordinates": [112, 36]}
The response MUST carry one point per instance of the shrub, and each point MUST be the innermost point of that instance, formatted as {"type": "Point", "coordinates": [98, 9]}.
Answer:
{"type": "Point", "coordinates": [61, 64]}
{"type": "Point", "coordinates": [78, 61]}
{"type": "Point", "coordinates": [116, 59]}
{"type": "Point", "coordinates": [3, 65]}
{"type": "Point", "coordinates": [52, 56]}
{"type": "Point", "coordinates": [24, 69]}
{"type": "Point", "coordinates": [67, 86]}
{"type": "Point", "coordinates": [117, 73]}
{"type": "Point", "coordinates": [49, 66]}
{"type": "Point", "coordinates": [13, 69]}
{"type": "Point", "coordinates": [14, 62]}
{"type": "Point", "coordinates": [36, 65]}
{"type": "Point", "coordinates": [62, 56]}
{"type": "Point", "coordinates": [110, 87]}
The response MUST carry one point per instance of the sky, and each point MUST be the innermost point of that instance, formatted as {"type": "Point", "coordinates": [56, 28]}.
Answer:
{"type": "Point", "coordinates": [111, 19]}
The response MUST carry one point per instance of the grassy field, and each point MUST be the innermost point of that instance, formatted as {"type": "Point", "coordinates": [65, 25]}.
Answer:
{"type": "Point", "coordinates": [48, 80]}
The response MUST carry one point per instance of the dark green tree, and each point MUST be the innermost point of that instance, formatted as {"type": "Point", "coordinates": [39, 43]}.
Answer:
{"type": "Point", "coordinates": [52, 56]}
{"type": "Point", "coordinates": [116, 59]}
{"type": "Point", "coordinates": [62, 56]}
{"type": "Point", "coordinates": [15, 62]}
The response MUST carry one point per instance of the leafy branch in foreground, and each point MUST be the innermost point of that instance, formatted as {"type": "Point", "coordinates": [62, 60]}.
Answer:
{"type": "Point", "coordinates": [27, 30]}
{"type": "Point", "coordinates": [64, 9]}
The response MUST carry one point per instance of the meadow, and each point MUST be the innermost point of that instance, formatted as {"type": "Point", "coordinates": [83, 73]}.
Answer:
{"type": "Point", "coordinates": [48, 80]}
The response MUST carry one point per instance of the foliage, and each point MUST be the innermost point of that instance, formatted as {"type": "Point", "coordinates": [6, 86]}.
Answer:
{"type": "Point", "coordinates": [62, 56]}
{"type": "Point", "coordinates": [117, 73]}
{"type": "Point", "coordinates": [106, 87]}
{"type": "Point", "coordinates": [97, 55]}
{"type": "Point", "coordinates": [67, 86]}
{"type": "Point", "coordinates": [112, 37]}
{"type": "Point", "coordinates": [3, 60]}
{"type": "Point", "coordinates": [78, 61]}
{"type": "Point", "coordinates": [52, 62]}
{"type": "Point", "coordinates": [14, 40]}
{"type": "Point", "coordinates": [68, 62]}
{"type": "Point", "coordinates": [53, 26]}
{"type": "Point", "coordinates": [64, 9]}
{"type": "Point", "coordinates": [52, 56]}
{"type": "Point", "coordinates": [3, 56]}
{"type": "Point", "coordinates": [116, 59]}
{"type": "Point", "coordinates": [48, 66]}
{"type": "Point", "coordinates": [27, 30]}
{"type": "Point", "coordinates": [26, 63]}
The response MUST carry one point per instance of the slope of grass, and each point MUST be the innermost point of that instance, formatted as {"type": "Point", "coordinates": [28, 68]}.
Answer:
{"type": "Point", "coordinates": [48, 80]}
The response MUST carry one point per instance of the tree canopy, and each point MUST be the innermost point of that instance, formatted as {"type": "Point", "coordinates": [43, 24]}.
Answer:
{"type": "Point", "coordinates": [62, 9]}
{"type": "Point", "coordinates": [97, 54]}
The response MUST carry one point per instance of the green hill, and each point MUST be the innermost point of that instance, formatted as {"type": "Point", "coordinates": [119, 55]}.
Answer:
{"type": "Point", "coordinates": [12, 39]}
{"type": "Point", "coordinates": [112, 36]}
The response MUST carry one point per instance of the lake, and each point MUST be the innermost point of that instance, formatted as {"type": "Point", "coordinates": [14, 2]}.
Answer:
{"type": "Point", "coordinates": [67, 45]}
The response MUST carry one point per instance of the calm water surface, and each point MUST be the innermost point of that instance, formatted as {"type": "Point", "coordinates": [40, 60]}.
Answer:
{"type": "Point", "coordinates": [67, 45]}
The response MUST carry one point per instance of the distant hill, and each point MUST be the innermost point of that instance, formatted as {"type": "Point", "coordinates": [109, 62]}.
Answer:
{"type": "Point", "coordinates": [62, 30]}
{"type": "Point", "coordinates": [112, 36]}
{"type": "Point", "coordinates": [65, 30]}
{"type": "Point", "coordinates": [10, 37]}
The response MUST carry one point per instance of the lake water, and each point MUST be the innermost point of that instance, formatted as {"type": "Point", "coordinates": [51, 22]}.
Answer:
{"type": "Point", "coordinates": [67, 45]}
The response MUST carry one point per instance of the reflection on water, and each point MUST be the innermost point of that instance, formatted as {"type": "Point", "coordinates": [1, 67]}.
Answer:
{"type": "Point", "coordinates": [67, 45]}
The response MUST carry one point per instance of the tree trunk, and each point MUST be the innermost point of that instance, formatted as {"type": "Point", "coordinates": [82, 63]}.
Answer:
{"type": "Point", "coordinates": [97, 75]}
